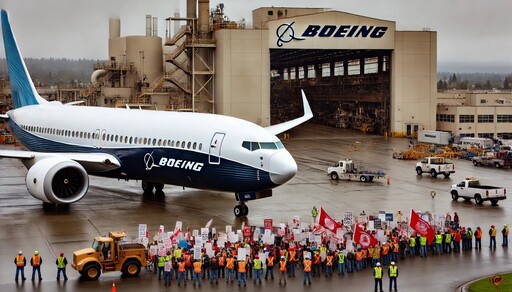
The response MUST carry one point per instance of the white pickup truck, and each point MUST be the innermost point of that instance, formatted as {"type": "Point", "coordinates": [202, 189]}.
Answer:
{"type": "Point", "coordinates": [435, 166]}
{"type": "Point", "coordinates": [470, 188]}
{"type": "Point", "coordinates": [346, 169]}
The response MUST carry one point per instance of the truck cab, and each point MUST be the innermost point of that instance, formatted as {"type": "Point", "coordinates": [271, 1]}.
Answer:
{"type": "Point", "coordinates": [109, 253]}
{"type": "Point", "coordinates": [435, 166]}
{"type": "Point", "coordinates": [470, 188]}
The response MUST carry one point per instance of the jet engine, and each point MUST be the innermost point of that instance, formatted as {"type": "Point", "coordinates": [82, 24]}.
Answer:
{"type": "Point", "coordinates": [57, 180]}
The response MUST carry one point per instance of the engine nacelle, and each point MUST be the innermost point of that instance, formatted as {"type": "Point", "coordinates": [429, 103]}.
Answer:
{"type": "Point", "coordinates": [57, 180]}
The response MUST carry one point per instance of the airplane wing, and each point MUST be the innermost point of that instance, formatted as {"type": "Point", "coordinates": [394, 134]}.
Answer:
{"type": "Point", "coordinates": [308, 114]}
{"type": "Point", "coordinates": [92, 162]}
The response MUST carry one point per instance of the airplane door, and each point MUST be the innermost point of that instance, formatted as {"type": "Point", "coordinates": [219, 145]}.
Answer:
{"type": "Point", "coordinates": [215, 146]}
{"type": "Point", "coordinates": [101, 138]}
{"type": "Point", "coordinates": [96, 138]}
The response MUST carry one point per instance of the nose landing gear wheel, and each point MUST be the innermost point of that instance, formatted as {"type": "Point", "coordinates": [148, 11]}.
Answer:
{"type": "Point", "coordinates": [241, 210]}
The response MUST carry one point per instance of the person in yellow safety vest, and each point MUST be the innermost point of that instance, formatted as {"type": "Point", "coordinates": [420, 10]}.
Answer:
{"type": "Point", "coordinates": [36, 262]}
{"type": "Point", "coordinates": [257, 266]}
{"type": "Point", "coordinates": [282, 270]}
{"type": "Point", "coordinates": [448, 242]}
{"type": "Point", "coordinates": [307, 270]}
{"type": "Point", "coordinates": [20, 263]}
{"type": "Point", "coordinates": [439, 242]}
{"type": "Point", "coordinates": [292, 261]}
{"type": "Point", "coordinates": [61, 263]}
{"type": "Point", "coordinates": [504, 232]}
{"type": "Point", "coordinates": [376, 255]}
{"type": "Point", "coordinates": [328, 264]}
{"type": "Point", "coordinates": [412, 245]}
{"type": "Point", "coordinates": [182, 272]}
{"type": "Point", "coordinates": [270, 266]}
{"type": "Point", "coordinates": [492, 235]}
{"type": "Point", "coordinates": [393, 274]}
{"type": "Point", "coordinates": [230, 269]}
{"type": "Point", "coordinates": [377, 275]}
{"type": "Point", "coordinates": [161, 264]}
{"type": "Point", "coordinates": [423, 246]}
{"type": "Point", "coordinates": [242, 272]}
{"type": "Point", "coordinates": [178, 253]}
{"type": "Point", "coordinates": [198, 272]}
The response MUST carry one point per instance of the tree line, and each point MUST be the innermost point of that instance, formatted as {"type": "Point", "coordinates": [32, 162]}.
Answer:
{"type": "Point", "coordinates": [474, 81]}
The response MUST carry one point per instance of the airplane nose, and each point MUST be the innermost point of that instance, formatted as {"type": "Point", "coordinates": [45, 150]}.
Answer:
{"type": "Point", "coordinates": [282, 167]}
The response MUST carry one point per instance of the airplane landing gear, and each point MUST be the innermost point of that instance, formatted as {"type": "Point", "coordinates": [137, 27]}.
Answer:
{"type": "Point", "coordinates": [148, 188]}
{"type": "Point", "coordinates": [241, 210]}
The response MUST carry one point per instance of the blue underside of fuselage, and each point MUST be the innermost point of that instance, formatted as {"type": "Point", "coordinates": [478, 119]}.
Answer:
{"type": "Point", "coordinates": [227, 176]}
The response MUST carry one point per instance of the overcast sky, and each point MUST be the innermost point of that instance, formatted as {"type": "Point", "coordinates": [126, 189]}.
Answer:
{"type": "Point", "coordinates": [468, 31]}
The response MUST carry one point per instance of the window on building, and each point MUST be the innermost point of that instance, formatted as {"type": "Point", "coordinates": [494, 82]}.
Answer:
{"type": "Point", "coordinates": [385, 63]}
{"type": "Point", "coordinates": [485, 135]}
{"type": "Point", "coordinates": [326, 70]}
{"type": "Point", "coordinates": [504, 135]}
{"type": "Point", "coordinates": [467, 135]}
{"type": "Point", "coordinates": [486, 118]}
{"type": "Point", "coordinates": [446, 118]}
{"type": "Point", "coordinates": [286, 74]}
{"type": "Point", "coordinates": [339, 69]}
{"type": "Point", "coordinates": [292, 73]}
{"type": "Point", "coordinates": [466, 118]}
{"type": "Point", "coordinates": [371, 65]}
{"type": "Point", "coordinates": [504, 119]}
{"type": "Point", "coordinates": [301, 72]}
{"type": "Point", "coordinates": [311, 72]}
{"type": "Point", "coordinates": [354, 67]}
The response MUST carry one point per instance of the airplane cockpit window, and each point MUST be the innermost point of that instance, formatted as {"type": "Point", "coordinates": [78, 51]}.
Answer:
{"type": "Point", "coordinates": [246, 145]}
{"type": "Point", "coordinates": [280, 145]}
{"type": "Point", "coordinates": [268, 145]}
{"type": "Point", "coordinates": [255, 146]}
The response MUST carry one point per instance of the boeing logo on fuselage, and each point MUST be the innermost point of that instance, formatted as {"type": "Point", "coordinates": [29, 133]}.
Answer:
{"type": "Point", "coordinates": [285, 32]}
{"type": "Point", "coordinates": [179, 163]}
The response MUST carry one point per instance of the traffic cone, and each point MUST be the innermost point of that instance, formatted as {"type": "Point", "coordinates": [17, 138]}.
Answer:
{"type": "Point", "coordinates": [114, 286]}
{"type": "Point", "coordinates": [388, 180]}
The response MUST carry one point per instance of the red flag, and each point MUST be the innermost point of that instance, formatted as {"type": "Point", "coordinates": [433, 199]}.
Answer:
{"type": "Point", "coordinates": [327, 222]}
{"type": "Point", "coordinates": [175, 234]}
{"type": "Point", "coordinates": [364, 238]}
{"type": "Point", "coordinates": [422, 227]}
{"type": "Point", "coordinates": [317, 230]}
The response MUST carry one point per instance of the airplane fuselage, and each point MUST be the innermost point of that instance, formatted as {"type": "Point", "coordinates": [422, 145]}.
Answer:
{"type": "Point", "coordinates": [203, 151]}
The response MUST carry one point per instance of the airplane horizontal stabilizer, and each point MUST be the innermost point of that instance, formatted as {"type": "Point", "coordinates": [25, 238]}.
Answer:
{"type": "Point", "coordinates": [308, 114]}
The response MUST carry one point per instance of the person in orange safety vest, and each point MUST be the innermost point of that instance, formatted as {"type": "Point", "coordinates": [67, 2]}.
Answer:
{"type": "Point", "coordinates": [20, 263]}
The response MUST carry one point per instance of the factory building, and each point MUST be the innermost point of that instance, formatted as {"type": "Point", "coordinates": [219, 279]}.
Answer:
{"type": "Point", "coordinates": [466, 114]}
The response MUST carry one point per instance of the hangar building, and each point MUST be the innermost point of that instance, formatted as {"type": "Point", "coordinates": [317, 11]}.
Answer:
{"type": "Point", "coordinates": [356, 71]}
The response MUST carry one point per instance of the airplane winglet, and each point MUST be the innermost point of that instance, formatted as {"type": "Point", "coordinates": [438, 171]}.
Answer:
{"type": "Point", "coordinates": [308, 114]}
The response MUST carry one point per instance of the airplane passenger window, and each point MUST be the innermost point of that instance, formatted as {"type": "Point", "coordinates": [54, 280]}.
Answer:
{"type": "Point", "coordinates": [145, 141]}
{"type": "Point", "coordinates": [200, 146]}
{"type": "Point", "coordinates": [81, 135]}
{"type": "Point", "coordinates": [177, 143]}
{"type": "Point", "coordinates": [135, 140]}
{"type": "Point", "coordinates": [188, 145]}
{"type": "Point", "coordinates": [182, 144]}
{"type": "Point", "coordinates": [125, 139]}
{"type": "Point", "coordinates": [246, 145]}
{"type": "Point", "coordinates": [131, 140]}
{"type": "Point", "coordinates": [255, 146]}
{"type": "Point", "coordinates": [172, 143]}
{"type": "Point", "coordinates": [154, 142]}
{"type": "Point", "coordinates": [194, 145]}
{"type": "Point", "coordinates": [116, 138]}
{"type": "Point", "coordinates": [159, 142]}
{"type": "Point", "coordinates": [165, 143]}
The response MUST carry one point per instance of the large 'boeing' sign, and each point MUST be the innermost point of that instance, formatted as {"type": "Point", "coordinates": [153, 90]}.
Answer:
{"type": "Point", "coordinates": [286, 33]}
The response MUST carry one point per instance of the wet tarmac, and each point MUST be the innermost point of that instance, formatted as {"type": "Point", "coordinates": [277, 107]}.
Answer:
{"type": "Point", "coordinates": [118, 205]}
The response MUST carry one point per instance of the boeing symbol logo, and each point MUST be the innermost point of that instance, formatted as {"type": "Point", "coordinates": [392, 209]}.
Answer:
{"type": "Point", "coordinates": [285, 34]}
{"type": "Point", "coordinates": [149, 161]}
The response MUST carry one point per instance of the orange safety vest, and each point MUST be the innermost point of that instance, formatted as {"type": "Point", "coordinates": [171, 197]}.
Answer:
{"type": "Point", "coordinates": [230, 263]}
{"type": "Point", "coordinates": [395, 249]}
{"type": "Point", "coordinates": [282, 253]}
{"type": "Point", "coordinates": [35, 261]}
{"type": "Point", "coordinates": [328, 261]}
{"type": "Point", "coordinates": [187, 260]}
{"type": "Point", "coordinates": [359, 255]}
{"type": "Point", "coordinates": [364, 253]}
{"type": "Point", "coordinates": [181, 267]}
{"type": "Point", "coordinates": [317, 259]}
{"type": "Point", "coordinates": [385, 250]}
{"type": "Point", "coordinates": [307, 266]}
{"type": "Point", "coordinates": [221, 261]}
{"type": "Point", "coordinates": [282, 266]}
{"type": "Point", "coordinates": [370, 252]}
{"type": "Point", "coordinates": [19, 260]}
{"type": "Point", "coordinates": [478, 233]}
{"type": "Point", "coordinates": [241, 267]}
{"type": "Point", "coordinates": [197, 267]}
{"type": "Point", "coordinates": [291, 257]}
{"type": "Point", "coordinates": [270, 262]}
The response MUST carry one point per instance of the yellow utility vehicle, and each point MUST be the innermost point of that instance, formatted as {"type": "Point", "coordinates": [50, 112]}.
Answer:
{"type": "Point", "coordinates": [110, 254]}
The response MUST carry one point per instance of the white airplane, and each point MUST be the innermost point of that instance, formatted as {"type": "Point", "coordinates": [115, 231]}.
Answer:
{"type": "Point", "coordinates": [204, 151]}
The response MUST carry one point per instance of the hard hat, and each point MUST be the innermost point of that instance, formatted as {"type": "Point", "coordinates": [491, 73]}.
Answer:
{"type": "Point", "coordinates": [256, 256]}
{"type": "Point", "coordinates": [168, 252]}
{"type": "Point", "coordinates": [505, 225]}
{"type": "Point", "coordinates": [20, 252]}
{"type": "Point", "coordinates": [283, 258]}
{"type": "Point", "coordinates": [378, 264]}
{"type": "Point", "coordinates": [492, 226]}
{"type": "Point", "coordinates": [392, 263]}
{"type": "Point", "coordinates": [36, 252]}
{"type": "Point", "coordinates": [307, 257]}
{"type": "Point", "coordinates": [61, 253]}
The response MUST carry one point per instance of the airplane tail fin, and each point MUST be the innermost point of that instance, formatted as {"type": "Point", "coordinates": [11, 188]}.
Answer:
{"type": "Point", "coordinates": [23, 90]}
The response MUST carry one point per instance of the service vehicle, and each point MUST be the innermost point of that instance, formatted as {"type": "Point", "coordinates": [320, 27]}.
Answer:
{"type": "Point", "coordinates": [434, 137]}
{"type": "Point", "coordinates": [499, 159]}
{"type": "Point", "coordinates": [470, 188]}
{"type": "Point", "coordinates": [110, 254]}
{"type": "Point", "coordinates": [473, 142]}
{"type": "Point", "coordinates": [435, 166]}
{"type": "Point", "coordinates": [346, 169]}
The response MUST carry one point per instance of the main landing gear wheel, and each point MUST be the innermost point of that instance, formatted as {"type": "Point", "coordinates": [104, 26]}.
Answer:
{"type": "Point", "coordinates": [241, 210]}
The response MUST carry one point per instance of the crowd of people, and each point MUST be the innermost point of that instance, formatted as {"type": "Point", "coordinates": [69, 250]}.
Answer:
{"type": "Point", "coordinates": [288, 259]}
